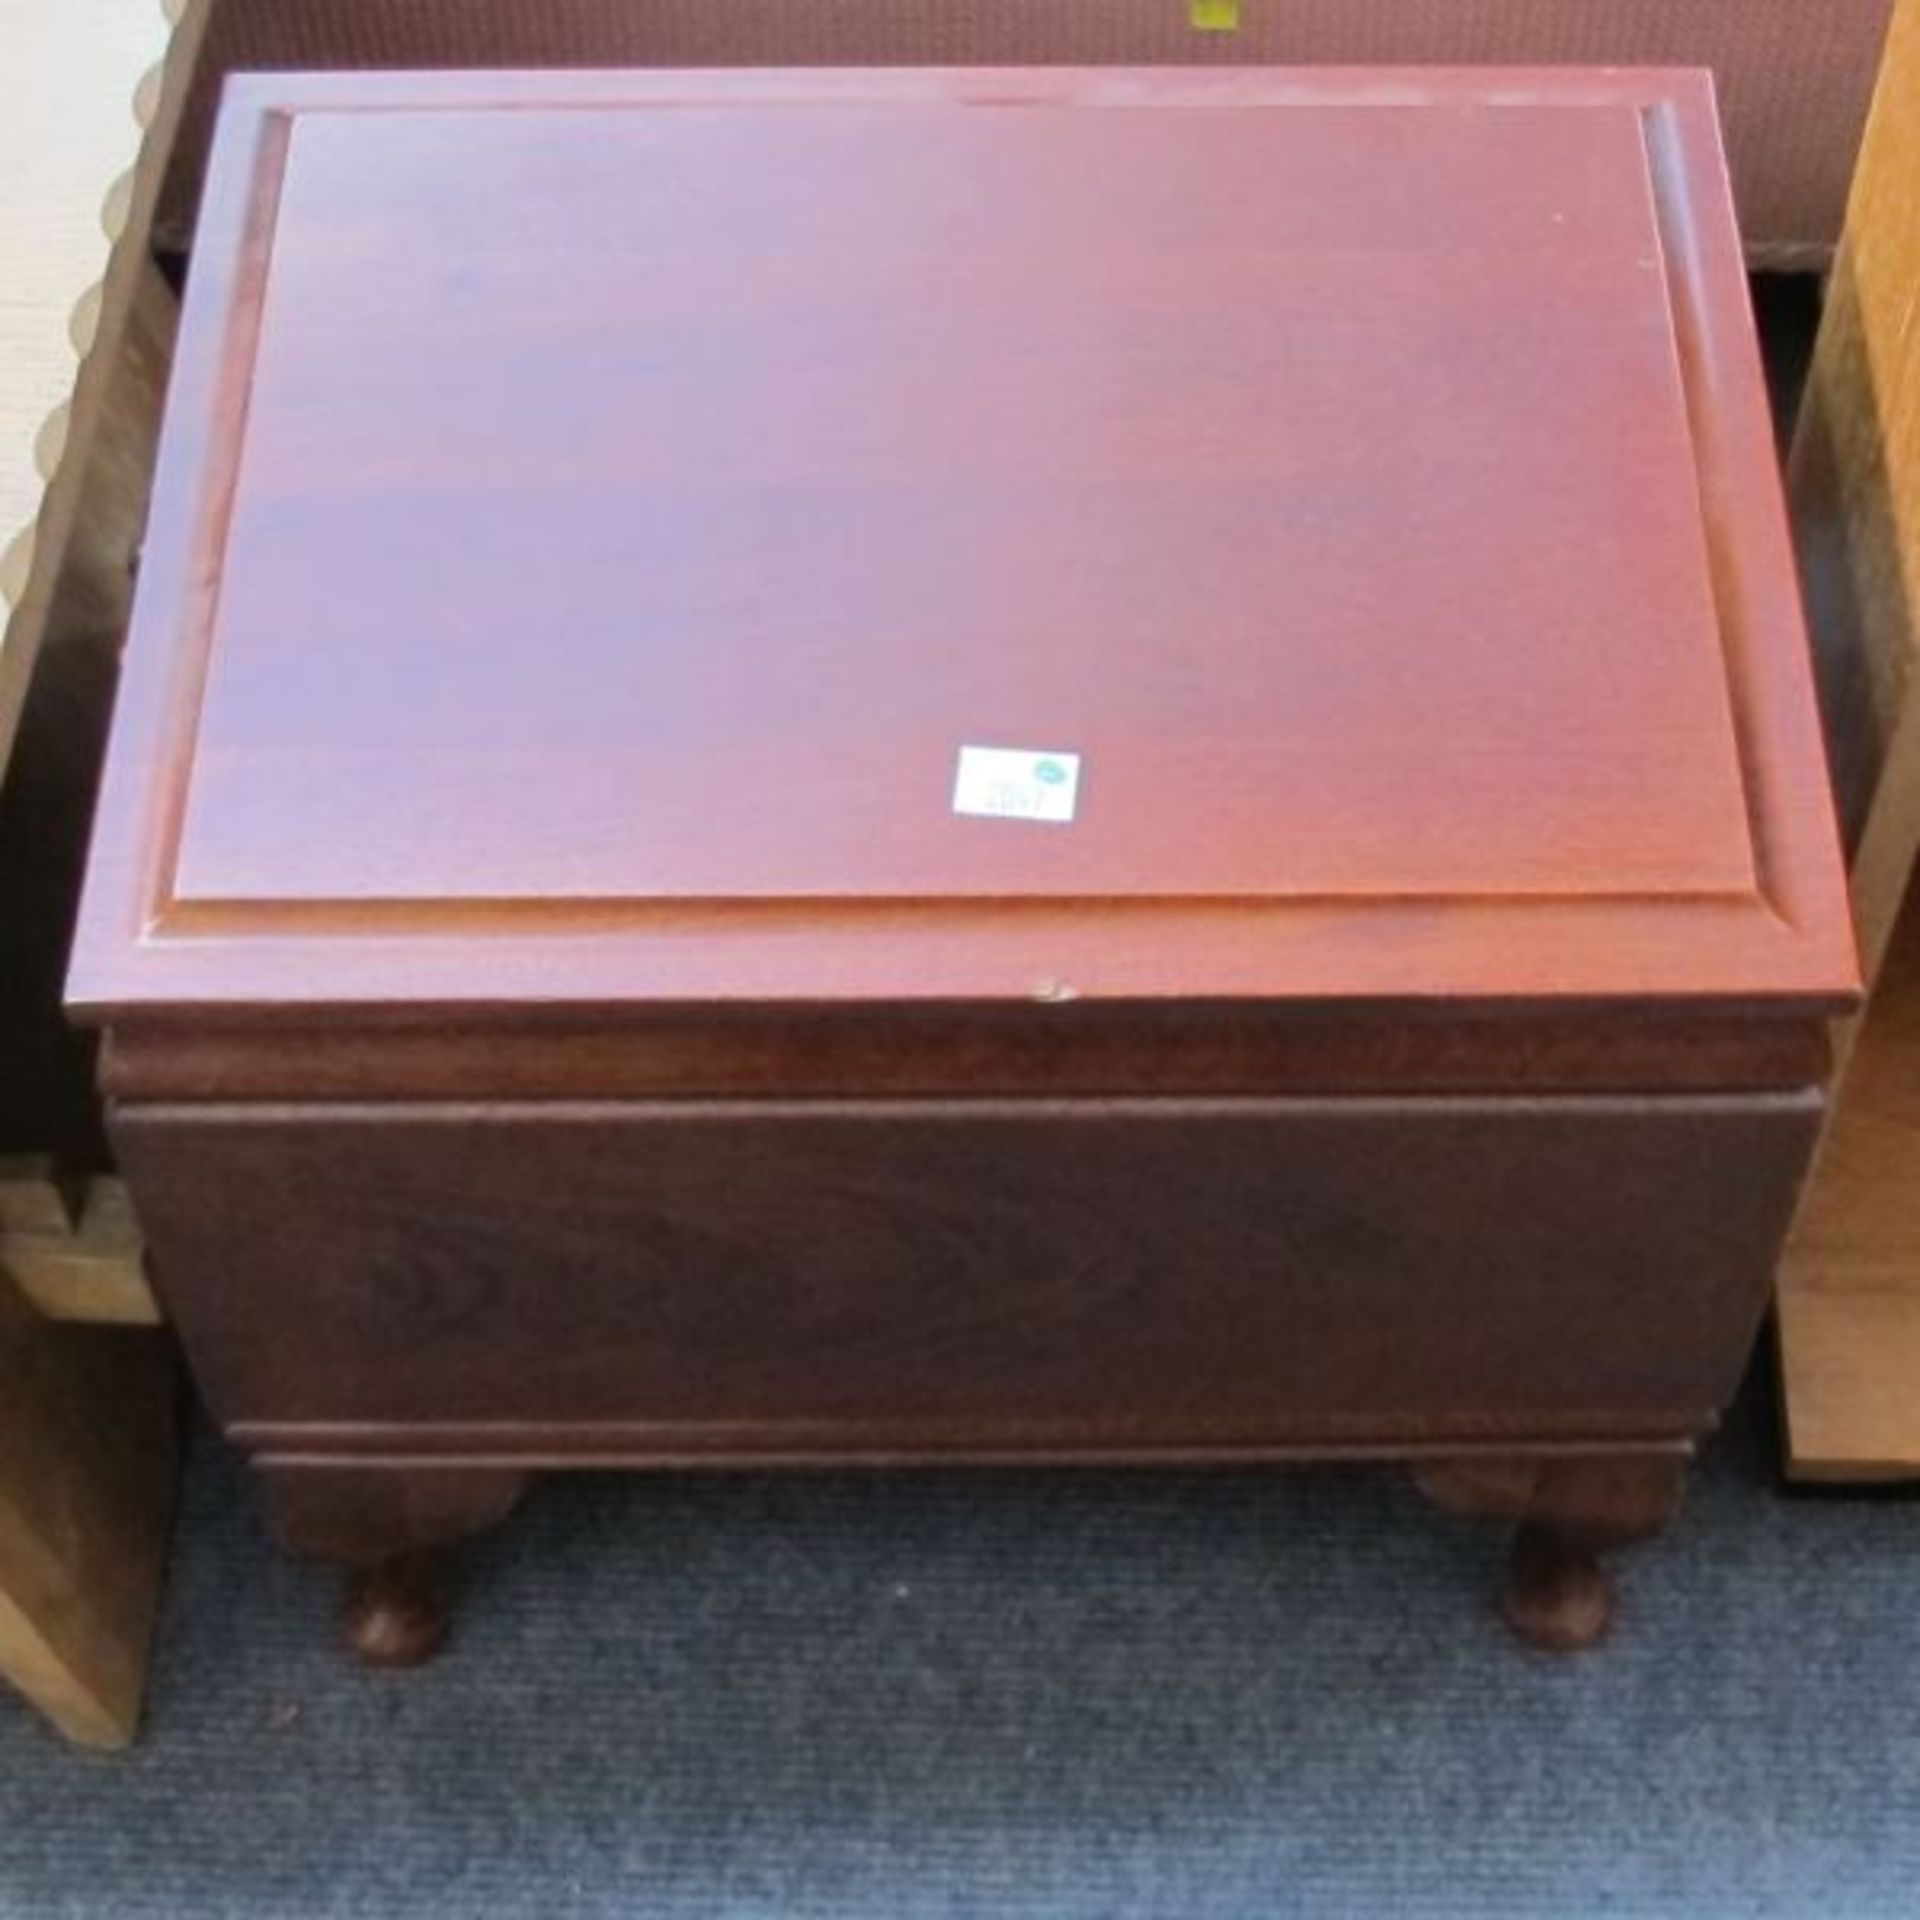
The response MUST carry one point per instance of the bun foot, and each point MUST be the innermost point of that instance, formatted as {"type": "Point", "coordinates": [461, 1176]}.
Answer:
{"type": "Point", "coordinates": [1556, 1598]}
{"type": "Point", "coordinates": [396, 1615]}
{"type": "Point", "coordinates": [1567, 1510]}
{"type": "Point", "coordinates": [389, 1523]}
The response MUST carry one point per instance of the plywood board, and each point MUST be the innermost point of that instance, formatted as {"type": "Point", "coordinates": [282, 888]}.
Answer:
{"type": "Point", "coordinates": [88, 1269]}
{"type": "Point", "coordinates": [1850, 1291]}
{"type": "Point", "coordinates": [88, 1436]}
{"type": "Point", "coordinates": [1850, 1282]}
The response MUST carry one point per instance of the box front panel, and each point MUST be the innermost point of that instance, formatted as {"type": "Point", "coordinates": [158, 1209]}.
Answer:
{"type": "Point", "coordinates": [672, 1279]}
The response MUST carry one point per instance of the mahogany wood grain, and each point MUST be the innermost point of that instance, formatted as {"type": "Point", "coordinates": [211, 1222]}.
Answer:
{"type": "Point", "coordinates": [556, 1013]}
{"type": "Point", "coordinates": [1401, 550]}
{"type": "Point", "coordinates": [1127, 1274]}
{"type": "Point", "coordinates": [1052, 1051]}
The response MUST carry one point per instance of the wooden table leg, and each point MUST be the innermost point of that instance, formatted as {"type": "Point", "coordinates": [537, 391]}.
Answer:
{"type": "Point", "coordinates": [385, 1524]}
{"type": "Point", "coordinates": [1569, 1510]}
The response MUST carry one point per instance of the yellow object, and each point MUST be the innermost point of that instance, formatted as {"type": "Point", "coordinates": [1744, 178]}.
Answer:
{"type": "Point", "coordinates": [1214, 16]}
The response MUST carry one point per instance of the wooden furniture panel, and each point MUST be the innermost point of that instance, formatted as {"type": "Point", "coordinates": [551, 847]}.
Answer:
{"type": "Point", "coordinates": [1849, 1300]}
{"type": "Point", "coordinates": [1850, 1280]}
{"type": "Point", "coordinates": [89, 100]}
{"type": "Point", "coordinates": [1856, 501]}
{"type": "Point", "coordinates": [1542, 723]}
{"type": "Point", "coordinates": [1066, 1050]}
{"type": "Point", "coordinates": [88, 1426]}
{"type": "Point", "coordinates": [1793, 79]}
{"type": "Point", "coordinates": [1018, 480]}
{"type": "Point", "coordinates": [1136, 1277]}
{"type": "Point", "coordinates": [72, 1247]}
{"type": "Point", "coordinates": [562, 1004]}
{"type": "Point", "coordinates": [90, 94]}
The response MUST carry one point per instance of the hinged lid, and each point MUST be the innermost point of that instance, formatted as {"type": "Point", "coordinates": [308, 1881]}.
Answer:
{"type": "Point", "coordinates": [966, 536]}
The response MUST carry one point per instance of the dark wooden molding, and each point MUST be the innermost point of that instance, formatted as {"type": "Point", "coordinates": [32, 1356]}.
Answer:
{"type": "Point", "coordinates": [1055, 1053]}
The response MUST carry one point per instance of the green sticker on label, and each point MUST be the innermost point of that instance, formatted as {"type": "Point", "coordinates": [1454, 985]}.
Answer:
{"type": "Point", "coordinates": [1214, 16]}
{"type": "Point", "coordinates": [1051, 771]}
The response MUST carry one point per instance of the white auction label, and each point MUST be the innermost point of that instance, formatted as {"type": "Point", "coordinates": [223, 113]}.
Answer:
{"type": "Point", "coordinates": [1017, 783]}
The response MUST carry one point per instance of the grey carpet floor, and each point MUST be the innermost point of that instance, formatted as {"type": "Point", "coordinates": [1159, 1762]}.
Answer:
{"type": "Point", "coordinates": [1243, 1693]}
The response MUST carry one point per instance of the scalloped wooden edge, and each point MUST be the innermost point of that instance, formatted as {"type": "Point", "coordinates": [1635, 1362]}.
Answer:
{"type": "Point", "coordinates": [81, 210]}
{"type": "Point", "coordinates": [90, 98]}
